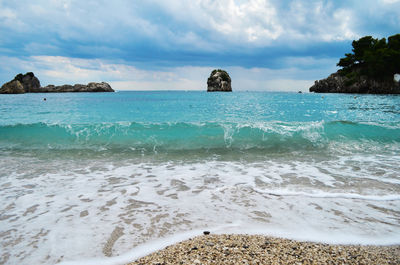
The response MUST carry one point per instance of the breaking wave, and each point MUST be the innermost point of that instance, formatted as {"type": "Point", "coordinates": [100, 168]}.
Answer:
{"type": "Point", "coordinates": [268, 136]}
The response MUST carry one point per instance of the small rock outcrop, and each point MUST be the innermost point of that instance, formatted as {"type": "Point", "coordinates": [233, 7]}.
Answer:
{"type": "Point", "coordinates": [219, 80]}
{"type": "Point", "coordinates": [29, 83]}
{"type": "Point", "coordinates": [21, 84]}
{"type": "Point", "coordinates": [337, 83]}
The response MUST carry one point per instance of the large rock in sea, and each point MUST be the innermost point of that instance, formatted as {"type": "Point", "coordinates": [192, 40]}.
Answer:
{"type": "Point", "coordinates": [219, 80]}
{"type": "Point", "coordinates": [337, 83]}
{"type": "Point", "coordinates": [21, 84]}
{"type": "Point", "coordinates": [29, 83]}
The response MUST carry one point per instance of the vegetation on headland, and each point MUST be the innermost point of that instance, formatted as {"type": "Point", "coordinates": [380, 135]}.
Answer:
{"type": "Point", "coordinates": [369, 69]}
{"type": "Point", "coordinates": [378, 59]}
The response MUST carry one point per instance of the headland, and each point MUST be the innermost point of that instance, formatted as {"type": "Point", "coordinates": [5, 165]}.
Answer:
{"type": "Point", "coordinates": [372, 67]}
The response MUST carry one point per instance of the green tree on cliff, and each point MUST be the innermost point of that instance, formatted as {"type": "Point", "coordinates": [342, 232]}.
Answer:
{"type": "Point", "coordinates": [375, 58]}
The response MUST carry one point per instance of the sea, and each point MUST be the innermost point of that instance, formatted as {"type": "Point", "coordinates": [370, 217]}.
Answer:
{"type": "Point", "coordinates": [104, 178]}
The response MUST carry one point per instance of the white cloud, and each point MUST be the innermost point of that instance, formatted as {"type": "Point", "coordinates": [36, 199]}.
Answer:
{"type": "Point", "coordinates": [253, 21]}
{"type": "Point", "coordinates": [318, 21]}
{"type": "Point", "coordinates": [262, 22]}
{"type": "Point", "coordinates": [390, 1]}
{"type": "Point", "coordinates": [9, 19]}
{"type": "Point", "coordinates": [63, 69]}
{"type": "Point", "coordinates": [7, 13]}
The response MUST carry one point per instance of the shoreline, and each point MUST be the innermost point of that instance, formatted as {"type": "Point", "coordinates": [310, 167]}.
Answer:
{"type": "Point", "coordinates": [260, 249]}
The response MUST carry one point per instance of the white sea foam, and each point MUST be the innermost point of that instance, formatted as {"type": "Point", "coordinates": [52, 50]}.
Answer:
{"type": "Point", "coordinates": [392, 197]}
{"type": "Point", "coordinates": [79, 210]}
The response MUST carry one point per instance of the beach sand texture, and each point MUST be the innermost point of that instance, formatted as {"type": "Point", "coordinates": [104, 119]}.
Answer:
{"type": "Point", "coordinates": [258, 249]}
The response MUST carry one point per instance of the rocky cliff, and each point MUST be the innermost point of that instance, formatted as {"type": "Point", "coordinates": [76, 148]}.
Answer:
{"type": "Point", "coordinates": [219, 80]}
{"type": "Point", "coordinates": [337, 83]}
{"type": "Point", "coordinates": [29, 83]}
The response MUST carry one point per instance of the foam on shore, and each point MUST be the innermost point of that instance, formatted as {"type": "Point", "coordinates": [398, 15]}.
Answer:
{"type": "Point", "coordinates": [65, 210]}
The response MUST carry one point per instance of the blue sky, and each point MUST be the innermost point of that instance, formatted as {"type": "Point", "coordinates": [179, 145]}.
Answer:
{"type": "Point", "coordinates": [164, 44]}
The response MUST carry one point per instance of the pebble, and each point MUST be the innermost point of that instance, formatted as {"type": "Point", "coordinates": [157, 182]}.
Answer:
{"type": "Point", "coordinates": [258, 249]}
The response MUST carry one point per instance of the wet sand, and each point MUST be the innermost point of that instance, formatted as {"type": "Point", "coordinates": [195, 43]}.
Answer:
{"type": "Point", "coordinates": [257, 249]}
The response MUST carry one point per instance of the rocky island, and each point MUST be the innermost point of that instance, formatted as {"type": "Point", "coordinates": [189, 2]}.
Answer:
{"type": "Point", "coordinates": [219, 80]}
{"type": "Point", "coordinates": [29, 83]}
{"type": "Point", "coordinates": [373, 67]}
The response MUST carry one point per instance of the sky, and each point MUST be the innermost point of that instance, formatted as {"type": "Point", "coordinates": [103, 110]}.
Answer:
{"type": "Point", "coordinates": [269, 45]}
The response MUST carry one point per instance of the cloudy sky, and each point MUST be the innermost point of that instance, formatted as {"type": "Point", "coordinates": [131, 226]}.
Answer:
{"type": "Point", "coordinates": [174, 44]}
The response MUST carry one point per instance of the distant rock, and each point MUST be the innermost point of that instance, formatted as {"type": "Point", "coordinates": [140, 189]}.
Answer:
{"type": "Point", "coordinates": [219, 80]}
{"type": "Point", "coordinates": [337, 83]}
{"type": "Point", "coordinates": [29, 83]}
{"type": "Point", "coordinates": [91, 87]}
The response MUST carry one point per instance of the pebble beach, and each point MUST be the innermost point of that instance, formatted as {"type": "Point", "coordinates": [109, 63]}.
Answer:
{"type": "Point", "coordinates": [258, 249]}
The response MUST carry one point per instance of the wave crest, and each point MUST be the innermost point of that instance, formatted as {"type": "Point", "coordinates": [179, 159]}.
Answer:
{"type": "Point", "coordinates": [270, 136]}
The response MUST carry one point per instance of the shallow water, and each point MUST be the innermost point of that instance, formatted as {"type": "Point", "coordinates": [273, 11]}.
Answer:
{"type": "Point", "coordinates": [93, 175]}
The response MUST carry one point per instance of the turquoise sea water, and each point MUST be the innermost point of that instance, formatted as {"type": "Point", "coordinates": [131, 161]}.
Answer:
{"type": "Point", "coordinates": [213, 123]}
{"type": "Point", "coordinates": [79, 165]}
